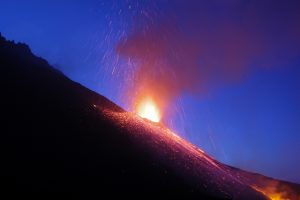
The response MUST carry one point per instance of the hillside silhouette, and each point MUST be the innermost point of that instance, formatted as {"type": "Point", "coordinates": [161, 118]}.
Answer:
{"type": "Point", "coordinates": [58, 136]}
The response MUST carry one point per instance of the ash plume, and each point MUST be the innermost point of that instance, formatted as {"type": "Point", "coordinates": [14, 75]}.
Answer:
{"type": "Point", "coordinates": [184, 48]}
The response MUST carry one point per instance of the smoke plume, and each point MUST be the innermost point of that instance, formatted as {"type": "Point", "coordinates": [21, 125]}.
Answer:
{"type": "Point", "coordinates": [190, 47]}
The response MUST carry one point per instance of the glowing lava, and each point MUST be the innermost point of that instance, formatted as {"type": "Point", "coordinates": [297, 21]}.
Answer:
{"type": "Point", "coordinates": [274, 192]}
{"type": "Point", "coordinates": [148, 109]}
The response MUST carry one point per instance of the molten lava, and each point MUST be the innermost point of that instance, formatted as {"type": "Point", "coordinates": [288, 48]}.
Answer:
{"type": "Point", "coordinates": [148, 109]}
{"type": "Point", "coordinates": [277, 191]}
{"type": "Point", "coordinates": [269, 193]}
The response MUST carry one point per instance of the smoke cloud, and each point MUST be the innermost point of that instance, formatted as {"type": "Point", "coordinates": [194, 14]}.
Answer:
{"type": "Point", "coordinates": [190, 47]}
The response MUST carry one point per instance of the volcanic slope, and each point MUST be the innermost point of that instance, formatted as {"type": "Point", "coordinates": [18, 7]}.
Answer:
{"type": "Point", "coordinates": [58, 136]}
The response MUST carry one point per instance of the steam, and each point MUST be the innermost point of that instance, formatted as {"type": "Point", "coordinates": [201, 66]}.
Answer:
{"type": "Point", "coordinates": [191, 47]}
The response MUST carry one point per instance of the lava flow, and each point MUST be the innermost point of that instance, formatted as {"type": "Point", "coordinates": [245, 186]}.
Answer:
{"type": "Point", "coordinates": [276, 190]}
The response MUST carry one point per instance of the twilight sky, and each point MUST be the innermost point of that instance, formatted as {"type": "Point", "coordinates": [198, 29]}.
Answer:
{"type": "Point", "coordinates": [225, 73]}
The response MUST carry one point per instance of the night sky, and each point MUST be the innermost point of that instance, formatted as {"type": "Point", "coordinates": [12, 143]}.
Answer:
{"type": "Point", "coordinates": [225, 73]}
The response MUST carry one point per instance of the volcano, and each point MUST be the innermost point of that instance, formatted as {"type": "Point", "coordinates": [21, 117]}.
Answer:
{"type": "Point", "coordinates": [58, 136]}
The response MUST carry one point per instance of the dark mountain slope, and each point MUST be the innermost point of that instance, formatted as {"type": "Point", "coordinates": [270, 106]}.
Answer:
{"type": "Point", "coordinates": [57, 136]}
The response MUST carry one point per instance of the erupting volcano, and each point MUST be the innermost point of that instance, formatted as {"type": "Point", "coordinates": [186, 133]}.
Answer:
{"type": "Point", "coordinates": [62, 137]}
{"type": "Point", "coordinates": [200, 99]}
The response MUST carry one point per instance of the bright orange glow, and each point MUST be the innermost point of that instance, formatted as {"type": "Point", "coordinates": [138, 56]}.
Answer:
{"type": "Point", "coordinates": [148, 109]}
{"type": "Point", "coordinates": [271, 194]}
{"type": "Point", "coordinates": [274, 194]}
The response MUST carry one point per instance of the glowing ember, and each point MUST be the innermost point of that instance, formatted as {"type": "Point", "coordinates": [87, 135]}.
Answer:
{"type": "Point", "coordinates": [148, 109]}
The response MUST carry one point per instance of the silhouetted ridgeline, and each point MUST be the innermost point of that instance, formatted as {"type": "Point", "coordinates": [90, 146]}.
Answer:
{"type": "Point", "coordinates": [54, 140]}
{"type": "Point", "coordinates": [18, 56]}
{"type": "Point", "coordinates": [57, 136]}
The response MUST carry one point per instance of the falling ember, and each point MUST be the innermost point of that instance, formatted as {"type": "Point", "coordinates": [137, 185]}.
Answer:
{"type": "Point", "coordinates": [149, 110]}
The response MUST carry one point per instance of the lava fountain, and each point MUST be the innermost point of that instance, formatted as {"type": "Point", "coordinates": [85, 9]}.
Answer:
{"type": "Point", "coordinates": [147, 108]}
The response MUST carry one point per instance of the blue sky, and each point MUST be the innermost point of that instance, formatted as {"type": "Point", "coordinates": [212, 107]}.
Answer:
{"type": "Point", "coordinates": [252, 121]}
